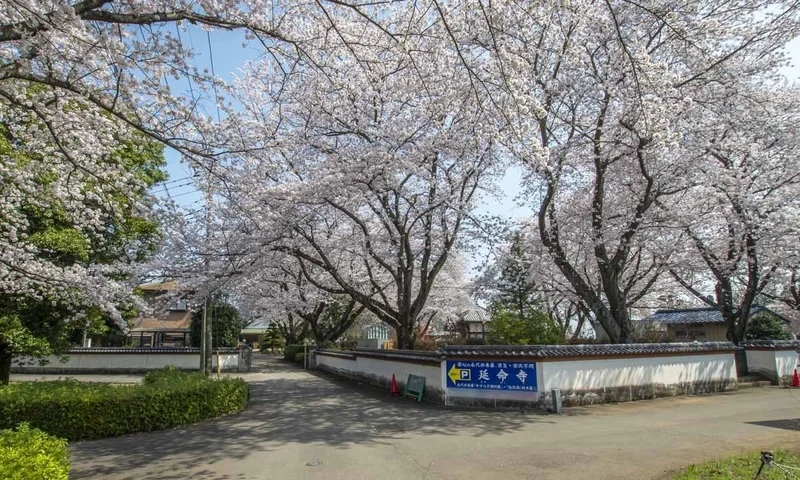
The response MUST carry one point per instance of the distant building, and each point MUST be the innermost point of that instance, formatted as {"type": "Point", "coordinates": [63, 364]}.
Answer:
{"type": "Point", "coordinates": [252, 333]}
{"type": "Point", "coordinates": [475, 323]}
{"type": "Point", "coordinates": [169, 323]}
{"type": "Point", "coordinates": [375, 335]}
{"type": "Point", "coordinates": [695, 324]}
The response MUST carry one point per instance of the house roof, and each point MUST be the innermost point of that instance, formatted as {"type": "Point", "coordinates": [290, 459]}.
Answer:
{"type": "Point", "coordinates": [253, 330]}
{"type": "Point", "coordinates": [475, 315]}
{"type": "Point", "coordinates": [178, 321]}
{"type": "Point", "coordinates": [169, 286]}
{"type": "Point", "coordinates": [701, 315]}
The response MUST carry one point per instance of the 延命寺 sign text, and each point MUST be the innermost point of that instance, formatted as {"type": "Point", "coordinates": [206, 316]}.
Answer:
{"type": "Point", "coordinates": [492, 375]}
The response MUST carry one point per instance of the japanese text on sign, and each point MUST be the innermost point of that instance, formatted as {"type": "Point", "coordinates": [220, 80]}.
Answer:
{"type": "Point", "coordinates": [492, 375]}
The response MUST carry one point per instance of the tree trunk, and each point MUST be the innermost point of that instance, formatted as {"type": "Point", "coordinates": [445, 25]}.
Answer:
{"type": "Point", "coordinates": [579, 328]}
{"type": "Point", "coordinates": [5, 365]}
{"type": "Point", "coordinates": [405, 338]}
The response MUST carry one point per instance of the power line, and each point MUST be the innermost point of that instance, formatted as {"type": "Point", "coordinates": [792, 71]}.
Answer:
{"type": "Point", "coordinates": [173, 181]}
{"type": "Point", "coordinates": [166, 188]}
{"type": "Point", "coordinates": [188, 77]}
{"type": "Point", "coordinates": [182, 194]}
{"type": "Point", "coordinates": [213, 73]}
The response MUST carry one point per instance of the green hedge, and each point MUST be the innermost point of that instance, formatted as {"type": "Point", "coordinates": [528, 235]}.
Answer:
{"type": "Point", "coordinates": [27, 453]}
{"type": "Point", "coordinates": [291, 351]}
{"type": "Point", "coordinates": [81, 411]}
{"type": "Point", "coordinates": [300, 358]}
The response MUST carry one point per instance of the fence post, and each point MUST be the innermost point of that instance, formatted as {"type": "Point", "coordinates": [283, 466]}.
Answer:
{"type": "Point", "coordinates": [556, 395]}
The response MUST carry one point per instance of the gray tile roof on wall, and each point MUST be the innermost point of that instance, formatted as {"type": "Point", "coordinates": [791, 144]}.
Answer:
{"type": "Point", "coordinates": [147, 350]}
{"type": "Point", "coordinates": [701, 315]}
{"type": "Point", "coordinates": [772, 344]}
{"type": "Point", "coordinates": [551, 351]}
{"type": "Point", "coordinates": [400, 355]}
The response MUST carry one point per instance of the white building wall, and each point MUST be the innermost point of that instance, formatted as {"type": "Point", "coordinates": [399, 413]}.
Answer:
{"type": "Point", "coordinates": [596, 374]}
{"type": "Point", "coordinates": [785, 362]}
{"type": "Point", "coordinates": [763, 362]}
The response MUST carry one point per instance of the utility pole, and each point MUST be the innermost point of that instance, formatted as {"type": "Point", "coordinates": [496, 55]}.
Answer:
{"type": "Point", "coordinates": [206, 338]}
{"type": "Point", "coordinates": [209, 340]}
{"type": "Point", "coordinates": [203, 327]}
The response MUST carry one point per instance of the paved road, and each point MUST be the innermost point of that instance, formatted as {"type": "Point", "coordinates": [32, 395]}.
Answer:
{"type": "Point", "coordinates": [302, 426]}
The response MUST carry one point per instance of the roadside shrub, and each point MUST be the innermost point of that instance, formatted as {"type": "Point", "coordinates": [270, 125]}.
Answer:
{"type": "Point", "coordinates": [170, 373]}
{"type": "Point", "coordinates": [27, 453]}
{"type": "Point", "coordinates": [348, 344]}
{"type": "Point", "coordinates": [73, 410]}
{"type": "Point", "coordinates": [291, 351]}
{"type": "Point", "coordinates": [300, 358]}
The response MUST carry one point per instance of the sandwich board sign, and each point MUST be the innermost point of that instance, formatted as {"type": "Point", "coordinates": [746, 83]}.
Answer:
{"type": "Point", "coordinates": [415, 386]}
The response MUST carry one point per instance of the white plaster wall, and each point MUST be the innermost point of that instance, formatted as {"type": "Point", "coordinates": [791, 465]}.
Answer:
{"type": "Point", "coordinates": [581, 375]}
{"type": "Point", "coordinates": [762, 361]}
{"type": "Point", "coordinates": [111, 361]}
{"type": "Point", "coordinates": [785, 362]}
{"type": "Point", "coordinates": [338, 363]}
{"type": "Point", "coordinates": [384, 368]}
{"type": "Point", "coordinates": [401, 370]}
{"type": "Point", "coordinates": [230, 361]}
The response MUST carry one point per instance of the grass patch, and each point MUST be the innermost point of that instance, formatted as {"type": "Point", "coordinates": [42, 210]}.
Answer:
{"type": "Point", "coordinates": [74, 410]}
{"type": "Point", "coordinates": [743, 467]}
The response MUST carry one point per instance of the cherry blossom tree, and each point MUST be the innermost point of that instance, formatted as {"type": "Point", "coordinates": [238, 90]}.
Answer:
{"type": "Point", "coordinates": [75, 78]}
{"type": "Point", "coordinates": [604, 95]}
{"type": "Point", "coordinates": [786, 287]}
{"type": "Point", "coordinates": [744, 203]}
{"type": "Point", "coordinates": [369, 168]}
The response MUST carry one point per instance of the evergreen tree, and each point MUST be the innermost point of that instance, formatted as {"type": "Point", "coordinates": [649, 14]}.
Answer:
{"type": "Point", "coordinates": [766, 326]}
{"type": "Point", "coordinates": [515, 291]}
{"type": "Point", "coordinates": [517, 318]}
{"type": "Point", "coordinates": [226, 325]}
{"type": "Point", "coordinates": [271, 339]}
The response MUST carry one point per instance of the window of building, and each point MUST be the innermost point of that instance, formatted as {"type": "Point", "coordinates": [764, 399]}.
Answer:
{"type": "Point", "coordinates": [691, 333]}
{"type": "Point", "coordinates": [178, 306]}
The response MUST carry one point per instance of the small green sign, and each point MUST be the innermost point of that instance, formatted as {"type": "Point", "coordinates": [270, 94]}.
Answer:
{"type": "Point", "coordinates": [415, 386]}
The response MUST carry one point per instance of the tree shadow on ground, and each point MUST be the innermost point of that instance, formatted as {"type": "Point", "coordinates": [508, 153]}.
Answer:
{"type": "Point", "coordinates": [289, 406]}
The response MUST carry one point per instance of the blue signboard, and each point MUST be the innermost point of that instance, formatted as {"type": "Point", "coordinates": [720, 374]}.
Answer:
{"type": "Point", "coordinates": [492, 375]}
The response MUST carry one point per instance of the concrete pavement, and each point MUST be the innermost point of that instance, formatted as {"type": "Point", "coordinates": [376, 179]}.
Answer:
{"type": "Point", "coordinates": [303, 426]}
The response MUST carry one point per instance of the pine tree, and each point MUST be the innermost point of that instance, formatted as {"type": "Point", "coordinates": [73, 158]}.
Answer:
{"type": "Point", "coordinates": [517, 318]}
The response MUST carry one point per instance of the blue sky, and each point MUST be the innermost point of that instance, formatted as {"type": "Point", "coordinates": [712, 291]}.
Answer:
{"type": "Point", "coordinates": [229, 54]}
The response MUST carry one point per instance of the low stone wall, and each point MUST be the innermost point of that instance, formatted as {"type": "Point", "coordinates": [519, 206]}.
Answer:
{"type": "Point", "coordinates": [375, 367]}
{"type": "Point", "coordinates": [109, 360]}
{"type": "Point", "coordinates": [773, 359]}
{"type": "Point", "coordinates": [582, 374]}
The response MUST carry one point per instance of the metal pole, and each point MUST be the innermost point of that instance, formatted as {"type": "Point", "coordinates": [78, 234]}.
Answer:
{"type": "Point", "coordinates": [209, 341]}
{"type": "Point", "coordinates": [203, 328]}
